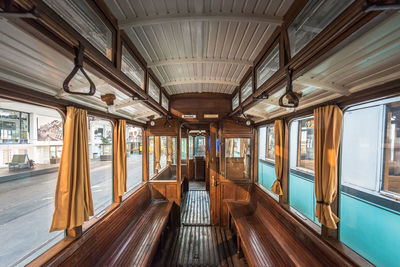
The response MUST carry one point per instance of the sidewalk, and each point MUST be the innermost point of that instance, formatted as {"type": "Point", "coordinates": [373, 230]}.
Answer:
{"type": "Point", "coordinates": [6, 175]}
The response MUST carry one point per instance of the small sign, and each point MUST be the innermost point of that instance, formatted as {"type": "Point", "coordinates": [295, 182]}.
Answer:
{"type": "Point", "coordinates": [211, 116]}
{"type": "Point", "coordinates": [189, 116]}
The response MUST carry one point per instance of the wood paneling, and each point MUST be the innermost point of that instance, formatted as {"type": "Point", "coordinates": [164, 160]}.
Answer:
{"type": "Point", "coordinates": [233, 191]}
{"type": "Point", "coordinates": [200, 104]}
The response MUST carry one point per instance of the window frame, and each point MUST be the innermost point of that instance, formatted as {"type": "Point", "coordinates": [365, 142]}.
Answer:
{"type": "Point", "coordinates": [20, 126]}
{"type": "Point", "coordinates": [274, 45]}
{"type": "Point", "coordinates": [250, 80]}
{"type": "Point", "coordinates": [105, 20]}
{"type": "Point", "coordinates": [267, 127]}
{"type": "Point", "coordinates": [222, 162]}
{"type": "Point", "coordinates": [136, 59]}
{"type": "Point", "coordinates": [151, 79]}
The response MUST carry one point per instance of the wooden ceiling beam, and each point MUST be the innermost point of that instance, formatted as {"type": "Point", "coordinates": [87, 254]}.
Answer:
{"type": "Point", "coordinates": [199, 81]}
{"type": "Point", "coordinates": [332, 87]}
{"type": "Point", "coordinates": [161, 19]}
{"type": "Point", "coordinates": [176, 61]}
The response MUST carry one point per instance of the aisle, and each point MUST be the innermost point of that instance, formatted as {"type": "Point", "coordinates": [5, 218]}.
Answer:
{"type": "Point", "coordinates": [196, 242]}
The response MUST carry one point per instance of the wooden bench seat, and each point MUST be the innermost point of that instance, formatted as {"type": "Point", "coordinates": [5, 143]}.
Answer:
{"type": "Point", "coordinates": [270, 236]}
{"type": "Point", "coordinates": [128, 235]}
{"type": "Point", "coordinates": [139, 242]}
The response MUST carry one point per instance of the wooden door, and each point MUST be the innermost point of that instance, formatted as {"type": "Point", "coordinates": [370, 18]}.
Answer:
{"type": "Point", "coordinates": [214, 180]}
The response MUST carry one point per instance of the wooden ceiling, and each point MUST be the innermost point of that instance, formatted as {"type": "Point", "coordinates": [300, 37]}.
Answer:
{"type": "Point", "coordinates": [199, 46]}
{"type": "Point", "coordinates": [370, 60]}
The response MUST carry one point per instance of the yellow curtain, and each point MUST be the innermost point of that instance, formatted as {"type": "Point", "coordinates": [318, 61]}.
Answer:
{"type": "Point", "coordinates": [327, 131]}
{"type": "Point", "coordinates": [73, 199]}
{"type": "Point", "coordinates": [120, 153]}
{"type": "Point", "coordinates": [279, 133]}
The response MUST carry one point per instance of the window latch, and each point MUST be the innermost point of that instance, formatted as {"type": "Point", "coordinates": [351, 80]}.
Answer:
{"type": "Point", "coordinates": [79, 66]}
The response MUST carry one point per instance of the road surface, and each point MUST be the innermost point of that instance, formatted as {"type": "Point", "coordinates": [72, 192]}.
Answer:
{"type": "Point", "coordinates": [27, 205]}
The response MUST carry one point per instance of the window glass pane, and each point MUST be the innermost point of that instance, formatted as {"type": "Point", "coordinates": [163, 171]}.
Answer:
{"type": "Point", "coordinates": [235, 101]}
{"type": "Point", "coordinates": [190, 147]}
{"type": "Point", "coordinates": [162, 157]}
{"type": "Point", "coordinates": [151, 156]}
{"type": "Point", "coordinates": [154, 91]}
{"type": "Point", "coordinates": [237, 158]}
{"type": "Point", "coordinates": [370, 184]}
{"type": "Point", "coordinates": [184, 148]}
{"type": "Point", "coordinates": [100, 133]}
{"type": "Point", "coordinates": [31, 139]}
{"type": "Point", "coordinates": [314, 17]}
{"type": "Point", "coordinates": [306, 144]}
{"type": "Point", "coordinates": [269, 66]}
{"type": "Point", "coordinates": [266, 169]}
{"type": "Point", "coordinates": [247, 89]}
{"type": "Point", "coordinates": [270, 142]}
{"type": "Point", "coordinates": [164, 101]}
{"type": "Point", "coordinates": [134, 156]}
{"type": "Point", "coordinates": [163, 150]}
{"type": "Point", "coordinates": [200, 146]}
{"type": "Point", "coordinates": [131, 68]}
{"type": "Point", "coordinates": [301, 163]}
{"type": "Point", "coordinates": [86, 22]}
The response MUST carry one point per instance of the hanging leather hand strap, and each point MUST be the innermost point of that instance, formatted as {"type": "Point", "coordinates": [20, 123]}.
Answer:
{"type": "Point", "coordinates": [293, 100]}
{"type": "Point", "coordinates": [79, 66]}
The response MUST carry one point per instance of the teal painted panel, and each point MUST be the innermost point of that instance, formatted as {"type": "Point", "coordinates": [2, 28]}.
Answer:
{"type": "Point", "coordinates": [266, 175]}
{"type": "Point", "coordinates": [370, 230]}
{"type": "Point", "coordinates": [302, 196]}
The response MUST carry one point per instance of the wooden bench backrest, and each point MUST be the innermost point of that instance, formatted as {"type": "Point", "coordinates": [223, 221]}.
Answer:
{"type": "Point", "coordinates": [261, 201]}
{"type": "Point", "coordinates": [93, 244]}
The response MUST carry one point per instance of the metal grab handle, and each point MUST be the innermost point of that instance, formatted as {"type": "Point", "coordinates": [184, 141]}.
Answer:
{"type": "Point", "coordinates": [79, 66]}
{"type": "Point", "coordinates": [293, 100]}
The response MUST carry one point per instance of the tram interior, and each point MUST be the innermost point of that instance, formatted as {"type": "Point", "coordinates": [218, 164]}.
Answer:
{"type": "Point", "coordinates": [199, 133]}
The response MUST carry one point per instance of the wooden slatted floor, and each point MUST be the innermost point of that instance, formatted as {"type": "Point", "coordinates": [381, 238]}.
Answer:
{"type": "Point", "coordinates": [196, 242]}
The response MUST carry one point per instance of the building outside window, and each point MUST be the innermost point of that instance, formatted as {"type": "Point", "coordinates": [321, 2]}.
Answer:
{"type": "Point", "coordinates": [306, 144]}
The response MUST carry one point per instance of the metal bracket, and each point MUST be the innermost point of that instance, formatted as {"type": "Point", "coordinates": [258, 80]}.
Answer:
{"type": "Point", "coordinates": [79, 66]}
{"type": "Point", "coordinates": [292, 97]}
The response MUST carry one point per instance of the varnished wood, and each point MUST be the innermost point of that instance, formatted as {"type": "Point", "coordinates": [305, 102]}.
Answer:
{"type": "Point", "coordinates": [271, 236]}
{"type": "Point", "coordinates": [89, 248]}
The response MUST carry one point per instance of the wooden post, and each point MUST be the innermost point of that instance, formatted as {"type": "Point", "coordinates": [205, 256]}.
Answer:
{"type": "Point", "coordinates": [145, 152]}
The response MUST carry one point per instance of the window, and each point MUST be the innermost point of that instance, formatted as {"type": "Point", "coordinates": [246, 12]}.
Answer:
{"type": "Point", "coordinates": [164, 101]}
{"type": "Point", "coordinates": [268, 67]}
{"type": "Point", "coordinates": [270, 143]}
{"type": "Point", "coordinates": [370, 182]}
{"type": "Point", "coordinates": [100, 135]}
{"type": "Point", "coordinates": [200, 146]}
{"type": "Point", "coordinates": [154, 91]}
{"type": "Point", "coordinates": [237, 160]}
{"type": "Point", "coordinates": [235, 101]}
{"type": "Point", "coordinates": [301, 163]}
{"type": "Point", "coordinates": [315, 16]}
{"type": "Point", "coordinates": [305, 152]}
{"type": "Point", "coordinates": [30, 148]}
{"type": "Point", "coordinates": [247, 89]}
{"type": "Point", "coordinates": [184, 149]}
{"type": "Point", "coordinates": [190, 147]}
{"type": "Point", "coordinates": [80, 16]}
{"type": "Point", "coordinates": [134, 160]}
{"type": "Point", "coordinates": [162, 157]}
{"type": "Point", "coordinates": [131, 68]}
{"type": "Point", "coordinates": [266, 168]}
{"type": "Point", "coordinates": [151, 156]}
